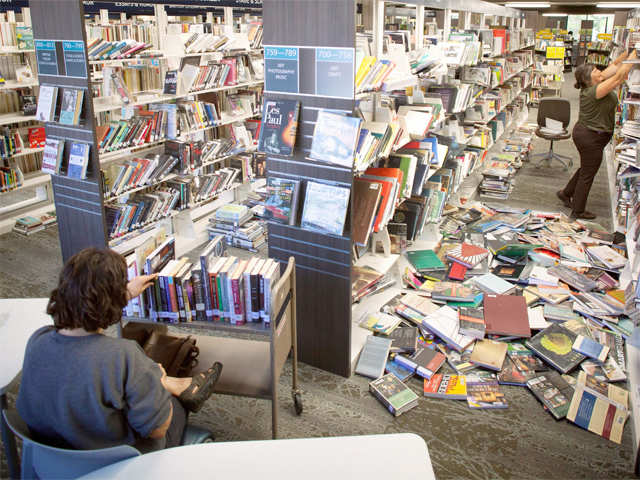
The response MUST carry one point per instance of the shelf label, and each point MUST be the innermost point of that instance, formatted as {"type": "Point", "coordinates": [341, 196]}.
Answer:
{"type": "Point", "coordinates": [335, 72]}
{"type": "Point", "coordinates": [74, 59]}
{"type": "Point", "coordinates": [281, 69]}
{"type": "Point", "coordinates": [46, 57]}
{"type": "Point", "coordinates": [555, 53]}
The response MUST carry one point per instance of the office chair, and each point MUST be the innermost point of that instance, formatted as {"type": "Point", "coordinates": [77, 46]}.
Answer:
{"type": "Point", "coordinates": [557, 109]}
{"type": "Point", "coordinates": [43, 461]}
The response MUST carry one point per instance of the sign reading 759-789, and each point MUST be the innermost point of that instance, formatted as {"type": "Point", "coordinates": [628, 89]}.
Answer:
{"type": "Point", "coordinates": [281, 69]}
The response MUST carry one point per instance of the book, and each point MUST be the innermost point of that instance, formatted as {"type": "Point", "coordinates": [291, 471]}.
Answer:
{"type": "Point", "coordinates": [453, 387]}
{"type": "Point", "coordinates": [425, 260]}
{"type": "Point", "coordinates": [29, 105]}
{"type": "Point", "coordinates": [554, 345]}
{"type": "Point", "coordinates": [52, 155]}
{"type": "Point", "coordinates": [366, 201]}
{"type": "Point", "coordinates": [491, 283]}
{"type": "Point", "coordinates": [468, 254]}
{"type": "Point", "coordinates": [590, 348]}
{"type": "Point", "coordinates": [170, 82]}
{"type": "Point", "coordinates": [47, 101]}
{"type": "Point", "coordinates": [281, 204]}
{"type": "Point", "coordinates": [471, 322]}
{"type": "Point", "coordinates": [524, 359]}
{"type": "Point", "coordinates": [511, 375]}
{"type": "Point", "coordinates": [599, 407]}
{"type": "Point", "coordinates": [553, 392]}
{"type": "Point", "coordinates": [459, 361]}
{"type": "Point", "coordinates": [401, 372]}
{"type": "Point", "coordinates": [485, 395]}
{"type": "Point", "coordinates": [558, 313]}
{"type": "Point", "coordinates": [78, 160]}
{"type": "Point", "coordinates": [279, 126]}
{"type": "Point", "coordinates": [489, 354]}
{"type": "Point", "coordinates": [506, 315]}
{"type": "Point", "coordinates": [404, 340]}
{"type": "Point", "coordinates": [424, 362]}
{"type": "Point", "coordinates": [444, 323]}
{"type": "Point", "coordinates": [334, 138]}
{"type": "Point", "coordinates": [373, 357]}
{"type": "Point", "coordinates": [325, 208]}
{"type": "Point", "coordinates": [380, 322]}
{"type": "Point", "coordinates": [71, 106]}
{"type": "Point", "coordinates": [393, 394]}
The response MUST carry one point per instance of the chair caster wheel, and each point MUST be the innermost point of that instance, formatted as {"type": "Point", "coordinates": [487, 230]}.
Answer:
{"type": "Point", "coordinates": [297, 402]}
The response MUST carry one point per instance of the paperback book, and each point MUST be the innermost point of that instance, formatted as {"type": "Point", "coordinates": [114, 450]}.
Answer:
{"type": "Point", "coordinates": [486, 394]}
{"type": "Point", "coordinates": [335, 138]}
{"type": "Point", "coordinates": [281, 204]}
{"type": "Point", "coordinates": [453, 387]}
{"type": "Point", "coordinates": [553, 392]}
{"type": "Point", "coordinates": [393, 394]}
{"type": "Point", "coordinates": [325, 208]}
{"type": "Point", "coordinates": [279, 126]}
{"type": "Point", "coordinates": [554, 345]}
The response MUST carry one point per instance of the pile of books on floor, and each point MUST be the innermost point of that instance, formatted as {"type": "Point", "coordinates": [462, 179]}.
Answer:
{"type": "Point", "coordinates": [499, 175]}
{"type": "Point", "coordinates": [236, 225]}
{"type": "Point", "coordinates": [512, 299]}
{"type": "Point", "coordinates": [30, 224]}
{"type": "Point", "coordinates": [215, 287]}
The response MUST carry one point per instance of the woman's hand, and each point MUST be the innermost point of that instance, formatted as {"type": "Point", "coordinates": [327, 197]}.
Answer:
{"type": "Point", "coordinates": [139, 284]}
{"type": "Point", "coordinates": [633, 55]}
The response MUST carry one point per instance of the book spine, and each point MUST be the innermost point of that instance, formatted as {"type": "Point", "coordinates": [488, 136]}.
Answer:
{"type": "Point", "coordinates": [206, 287]}
{"type": "Point", "coordinates": [182, 314]}
{"type": "Point", "coordinates": [173, 298]}
{"type": "Point", "coordinates": [196, 276]}
{"type": "Point", "coordinates": [246, 284]}
{"type": "Point", "coordinates": [405, 362]}
{"type": "Point", "coordinates": [237, 317]}
{"type": "Point", "coordinates": [214, 297]}
{"type": "Point", "coordinates": [229, 307]}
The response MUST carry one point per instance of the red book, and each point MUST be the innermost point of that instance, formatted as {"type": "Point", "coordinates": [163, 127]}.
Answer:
{"type": "Point", "coordinates": [506, 315]}
{"type": "Point", "coordinates": [457, 271]}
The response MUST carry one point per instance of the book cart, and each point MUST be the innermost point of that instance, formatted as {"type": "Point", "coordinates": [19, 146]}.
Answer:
{"type": "Point", "coordinates": [251, 367]}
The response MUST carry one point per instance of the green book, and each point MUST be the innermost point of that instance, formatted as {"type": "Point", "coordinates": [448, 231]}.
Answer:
{"type": "Point", "coordinates": [425, 260]}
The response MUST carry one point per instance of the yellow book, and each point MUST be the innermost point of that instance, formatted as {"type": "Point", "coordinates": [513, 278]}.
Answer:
{"type": "Point", "coordinates": [440, 385]}
{"type": "Point", "coordinates": [365, 66]}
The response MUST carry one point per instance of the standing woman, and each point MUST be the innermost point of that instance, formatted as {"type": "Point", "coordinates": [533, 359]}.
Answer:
{"type": "Point", "coordinates": [594, 128]}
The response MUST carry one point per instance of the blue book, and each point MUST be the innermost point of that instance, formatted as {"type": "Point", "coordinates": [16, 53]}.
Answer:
{"type": "Point", "coordinates": [78, 160]}
{"type": "Point", "coordinates": [590, 348]}
{"type": "Point", "coordinates": [335, 138]}
{"type": "Point", "coordinates": [400, 371]}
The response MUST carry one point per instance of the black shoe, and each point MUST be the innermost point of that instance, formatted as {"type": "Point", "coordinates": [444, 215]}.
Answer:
{"type": "Point", "coordinates": [563, 198]}
{"type": "Point", "coordinates": [201, 388]}
{"type": "Point", "coordinates": [584, 215]}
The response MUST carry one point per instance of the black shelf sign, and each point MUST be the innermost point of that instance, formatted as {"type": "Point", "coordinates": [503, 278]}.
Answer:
{"type": "Point", "coordinates": [46, 57]}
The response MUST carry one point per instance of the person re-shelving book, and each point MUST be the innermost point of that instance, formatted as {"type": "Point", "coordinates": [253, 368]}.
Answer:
{"type": "Point", "coordinates": [281, 204]}
{"type": "Point", "coordinates": [71, 107]}
{"type": "Point", "coordinates": [393, 394]}
{"type": "Point", "coordinates": [279, 126]}
{"type": "Point", "coordinates": [325, 208]}
{"type": "Point", "coordinates": [78, 160]}
{"type": "Point", "coordinates": [335, 138]}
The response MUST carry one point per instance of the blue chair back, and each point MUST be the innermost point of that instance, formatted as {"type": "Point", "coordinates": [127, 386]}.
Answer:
{"type": "Point", "coordinates": [43, 461]}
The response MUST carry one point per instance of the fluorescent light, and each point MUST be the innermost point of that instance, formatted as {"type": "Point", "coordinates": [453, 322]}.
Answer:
{"type": "Point", "coordinates": [617, 5]}
{"type": "Point", "coordinates": [555, 14]}
{"type": "Point", "coordinates": [528, 5]}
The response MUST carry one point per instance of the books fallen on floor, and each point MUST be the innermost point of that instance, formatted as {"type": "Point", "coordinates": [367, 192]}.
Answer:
{"type": "Point", "coordinates": [373, 358]}
{"type": "Point", "coordinates": [393, 394]}
{"type": "Point", "coordinates": [446, 386]}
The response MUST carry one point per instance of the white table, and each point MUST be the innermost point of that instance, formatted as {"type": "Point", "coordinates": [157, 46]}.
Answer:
{"type": "Point", "coordinates": [365, 457]}
{"type": "Point", "coordinates": [19, 318]}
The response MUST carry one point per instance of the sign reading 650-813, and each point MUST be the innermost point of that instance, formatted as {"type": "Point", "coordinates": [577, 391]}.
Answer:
{"type": "Point", "coordinates": [281, 69]}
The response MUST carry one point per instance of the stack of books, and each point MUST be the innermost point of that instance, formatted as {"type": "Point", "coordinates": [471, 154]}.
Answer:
{"type": "Point", "coordinates": [235, 223]}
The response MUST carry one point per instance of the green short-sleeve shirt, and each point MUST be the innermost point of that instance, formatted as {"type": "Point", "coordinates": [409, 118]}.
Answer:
{"type": "Point", "coordinates": [597, 114]}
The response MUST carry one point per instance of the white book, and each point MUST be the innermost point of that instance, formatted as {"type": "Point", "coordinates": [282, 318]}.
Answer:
{"type": "Point", "coordinates": [536, 318]}
{"type": "Point", "coordinates": [47, 103]}
{"type": "Point", "coordinates": [52, 155]}
{"type": "Point", "coordinates": [445, 323]}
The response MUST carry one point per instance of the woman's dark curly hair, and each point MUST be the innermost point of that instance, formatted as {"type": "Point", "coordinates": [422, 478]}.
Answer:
{"type": "Point", "coordinates": [583, 76]}
{"type": "Point", "coordinates": [91, 292]}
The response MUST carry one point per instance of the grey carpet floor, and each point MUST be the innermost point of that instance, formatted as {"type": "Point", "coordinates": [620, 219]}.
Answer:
{"type": "Point", "coordinates": [522, 441]}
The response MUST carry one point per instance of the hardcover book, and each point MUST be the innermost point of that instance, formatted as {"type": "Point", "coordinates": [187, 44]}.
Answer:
{"type": "Point", "coordinates": [485, 395]}
{"type": "Point", "coordinates": [444, 323]}
{"type": "Point", "coordinates": [591, 348]}
{"type": "Point", "coordinates": [524, 359]}
{"type": "Point", "coordinates": [553, 392]}
{"type": "Point", "coordinates": [506, 315]}
{"type": "Point", "coordinates": [491, 283]}
{"type": "Point", "coordinates": [404, 340]}
{"type": "Point", "coordinates": [325, 208]}
{"type": "Point", "coordinates": [425, 361]}
{"type": "Point", "coordinates": [471, 322]}
{"type": "Point", "coordinates": [489, 354]}
{"type": "Point", "coordinates": [453, 387]}
{"type": "Point", "coordinates": [425, 260]}
{"type": "Point", "coordinates": [281, 204]}
{"type": "Point", "coordinates": [373, 357]}
{"type": "Point", "coordinates": [170, 82]}
{"type": "Point", "coordinates": [510, 375]}
{"type": "Point", "coordinates": [459, 361]}
{"type": "Point", "coordinates": [401, 372]}
{"type": "Point", "coordinates": [467, 254]}
{"type": "Point", "coordinates": [335, 138]}
{"type": "Point", "coordinates": [393, 394]}
{"type": "Point", "coordinates": [599, 407]}
{"type": "Point", "coordinates": [366, 201]}
{"type": "Point", "coordinates": [554, 346]}
{"type": "Point", "coordinates": [71, 106]}
{"type": "Point", "coordinates": [279, 126]}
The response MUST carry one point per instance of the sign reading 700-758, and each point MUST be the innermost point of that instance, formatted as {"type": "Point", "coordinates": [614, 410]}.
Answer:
{"type": "Point", "coordinates": [281, 69]}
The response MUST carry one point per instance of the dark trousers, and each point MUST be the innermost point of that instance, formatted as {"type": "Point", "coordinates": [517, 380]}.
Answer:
{"type": "Point", "coordinates": [173, 437]}
{"type": "Point", "coordinates": [590, 145]}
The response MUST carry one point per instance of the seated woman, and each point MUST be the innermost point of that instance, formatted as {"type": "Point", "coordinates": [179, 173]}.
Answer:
{"type": "Point", "coordinates": [84, 390]}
